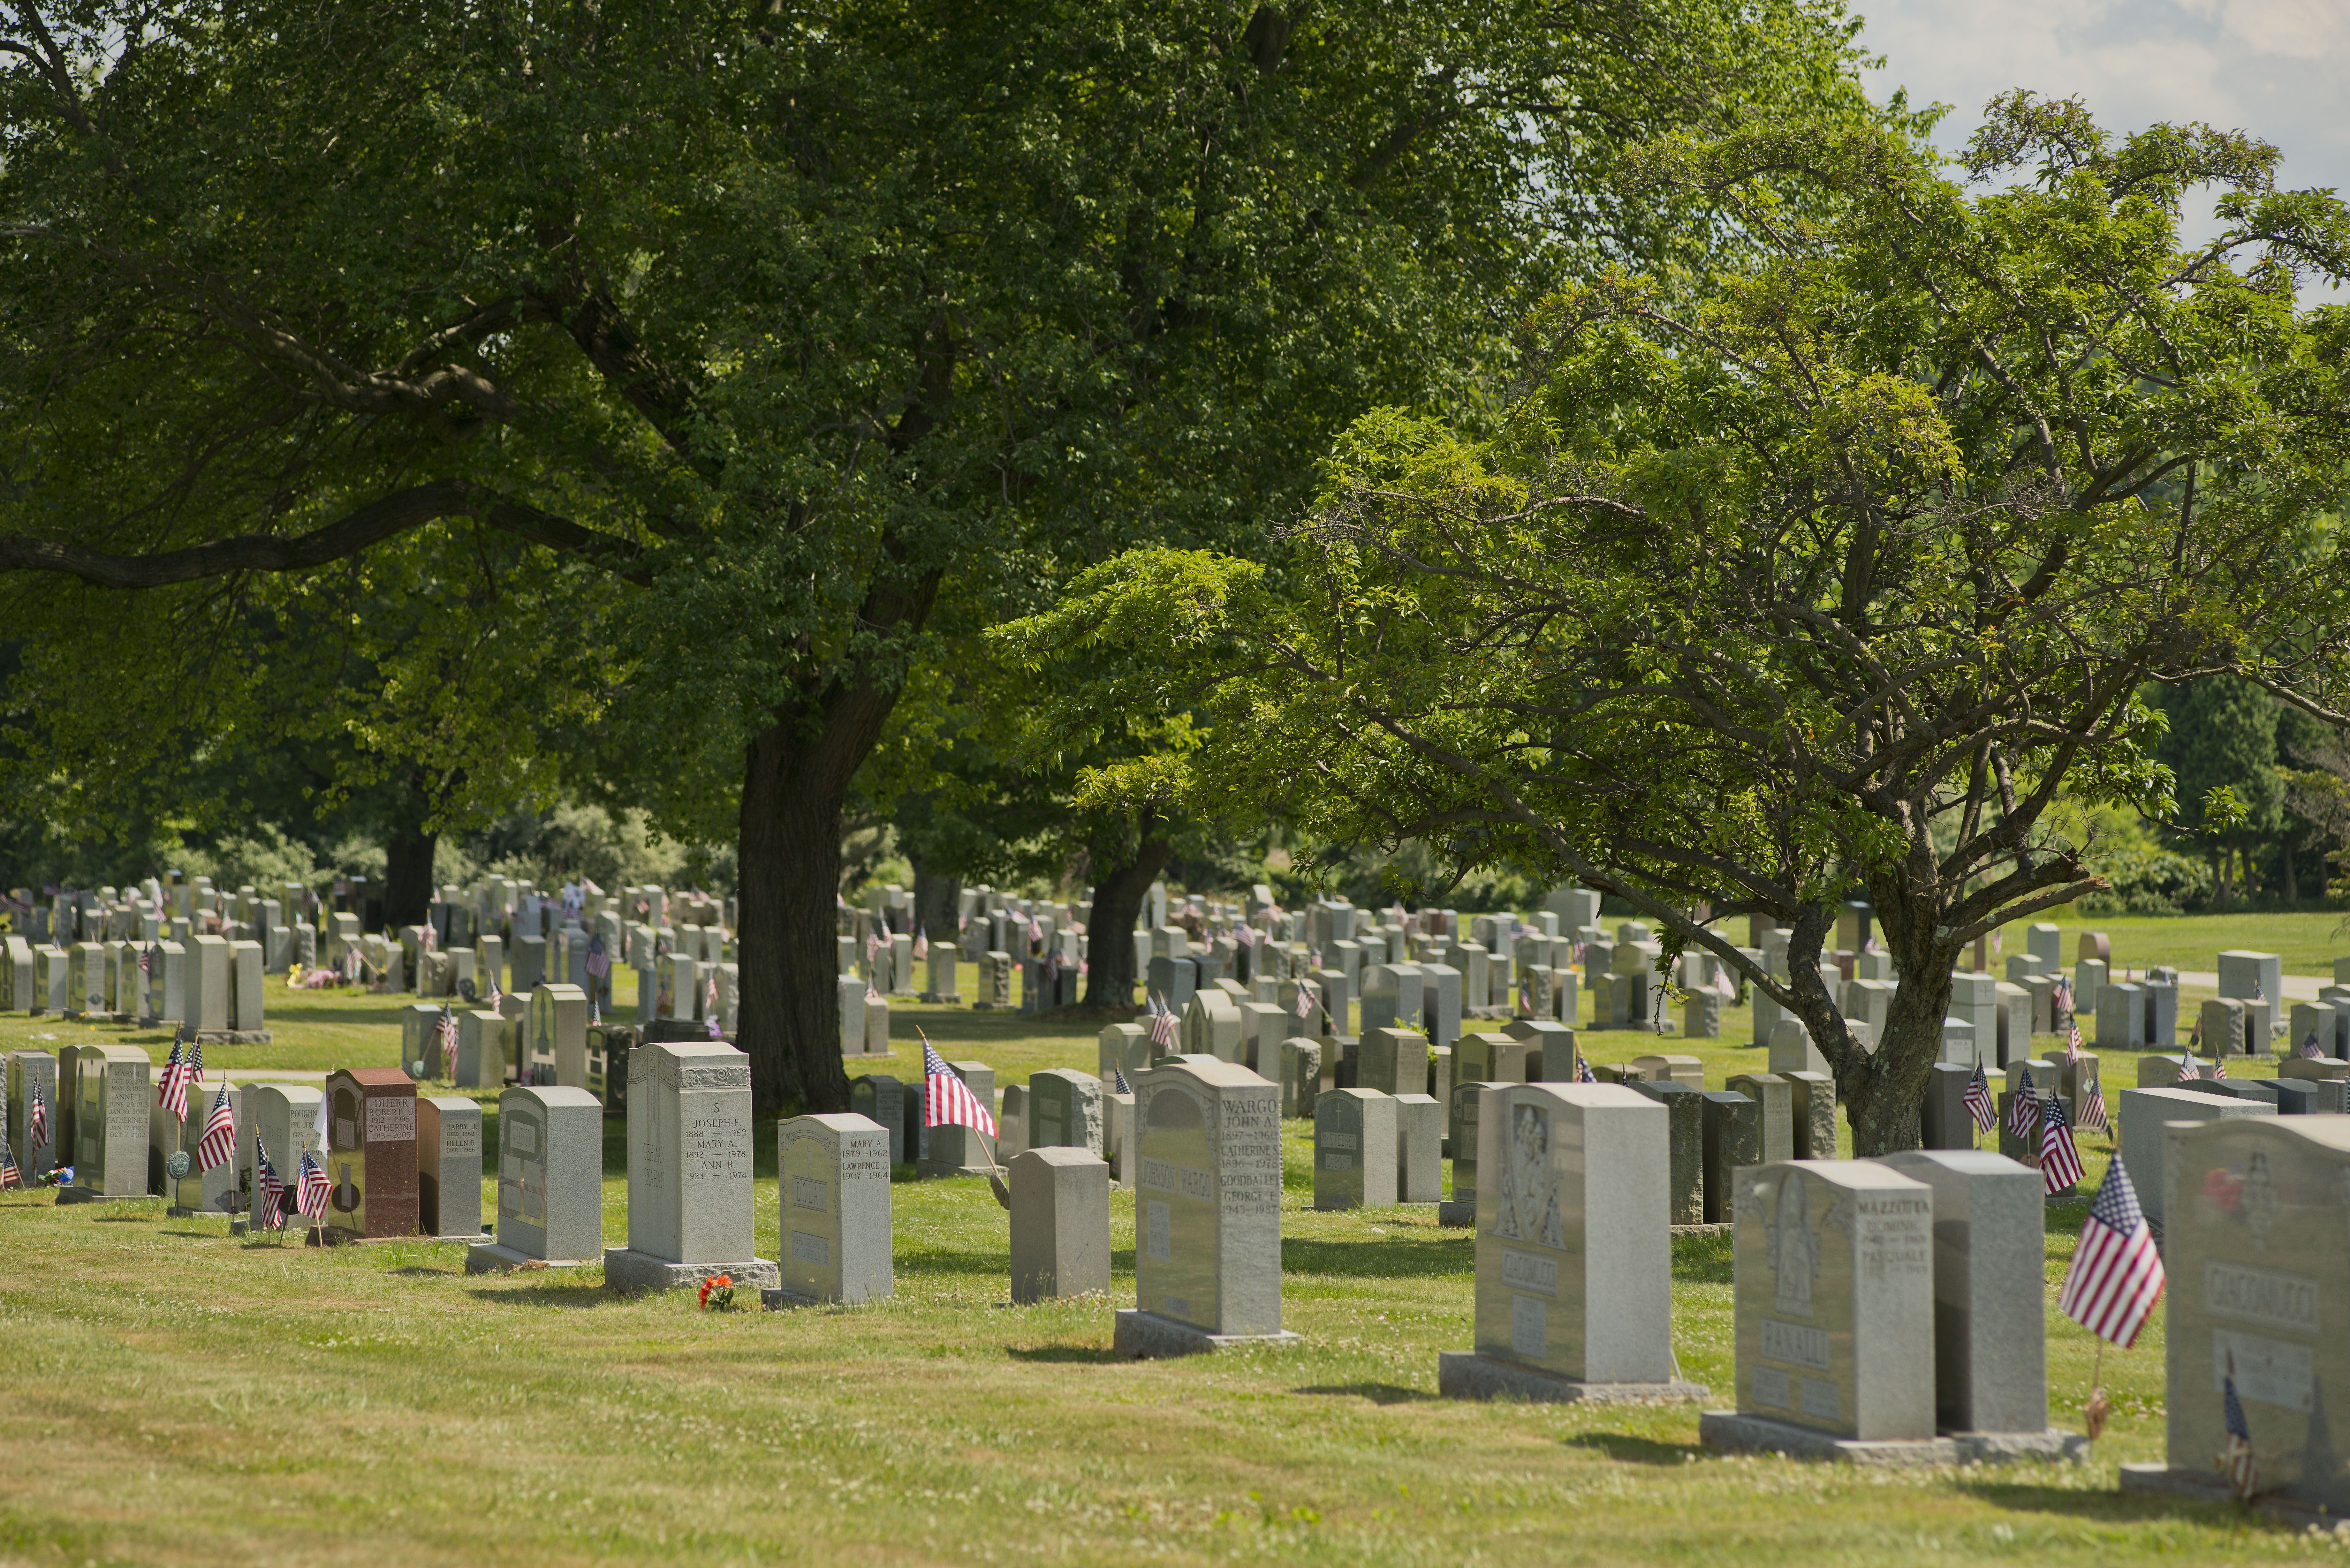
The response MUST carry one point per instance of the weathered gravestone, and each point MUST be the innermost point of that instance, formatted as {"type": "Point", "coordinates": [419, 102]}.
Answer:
{"type": "Point", "coordinates": [111, 1095]}
{"type": "Point", "coordinates": [1685, 1146]}
{"type": "Point", "coordinates": [448, 1167]}
{"type": "Point", "coordinates": [1731, 1127]}
{"type": "Point", "coordinates": [1814, 1098]}
{"type": "Point", "coordinates": [1574, 1274]}
{"type": "Point", "coordinates": [1774, 1101]}
{"type": "Point", "coordinates": [370, 1154]}
{"type": "Point", "coordinates": [1065, 1110]}
{"type": "Point", "coordinates": [1122, 1048]}
{"type": "Point", "coordinates": [550, 1181]}
{"type": "Point", "coordinates": [2256, 1243]}
{"type": "Point", "coordinates": [1835, 1308]}
{"type": "Point", "coordinates": [689, 1170]}
{"type": "Point", "coordinates": [420, 1041]}
{"type": "Point", "coordinates": [1060, 1224]}
{"type": "Point", "coordinates": [556, 1028]}
{"type": "Point", "coordinates": [1301, 1075]}
{"type": "Point", "coordinates": [247, 1017]}
{"type": "Point", "coordinates": [1207, 1211]}
{"type": "Point", "coordinates": [885, 1102]}
{"type": "Point", "coordinates": [1354, 1149]}
{"type": "Point", "coordinates": [201, 1192]}
{"type": "Point", "coordinates": [482, 1050]}
{"type": "Point", "coordinates": [833, 1191]}
{"type": "Point", "coordinates": [1991, 1360]}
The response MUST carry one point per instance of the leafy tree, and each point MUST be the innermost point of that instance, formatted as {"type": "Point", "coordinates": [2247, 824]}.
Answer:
{"type": "Point", "coordinates": [1838, 568]}
{"type": "Point", "coordinates": [762, 328]}
{"type": "Point", "coordinates": [2222, 736]}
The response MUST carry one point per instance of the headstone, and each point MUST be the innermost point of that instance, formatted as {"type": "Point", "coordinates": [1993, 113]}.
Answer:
{"type": "Point", "coordinates": [1815, 1107]}
{"type": "Point", "coordinates": [958, 1150]}
{"type": "Point", "coordinates": [2219, 1026]}
{"type": "Point", "coordinates": [283, 1118]}
{"type": "Point", "coordinates": [1774, 1099]}
{"type": "Point", "coordinates": [1420, 1148]}
{"type": "Point", "coordinates": [2256, 1247]}
{"type": "Point", "coordinates": [557, 1027]}
{"type": "Point", "coordinates": [1834, 1301]}
{"type": "Point", "coordinates": [112, 1092]}
{"type": "Point", "coordinates": [1065, 1110]}
{"type": "Point", "coordinates": [1122, 1048]}
{"type": "Point", "coordinates": [1732, 1131]}
{"type": "Point", "coordinates": [448, 1167]}
{"type": "Point", "coordinates": [208, 985]}
{"type": "Point", "coordinates": [1574, 1284]}
{"type": "Point", "coordinates": [883, 1101]}
{"type": "Point", "coordinates": [1060, 1224]}
{"type": "Point", "coordinates": [833, 1187]}
{"type": "Point", "coordinates": [550, 1181]}
{"type": "Point", "coordinates": [2247, 975]}
{"type": "Point", "coordinates": [1355, 1160]}
{"type": "Point", "coordinates": [1680, 1069]}
{"type": "Point", "coordinates": [1392, 1061]}
{"type": "Point", "coordinates": [1207, 1211]}
{"type": "Point", "coordinates": [1685, 1146]}
{"type": "Point", "coordinates": [2145, 1112]}
{"type": "Point", "coordinates": [201, 1192]}
{"type": "Point", "coordinates": [1990, 1366]}
{"type": "Point", "coordinates": [1791, 1050]}
{"type": "Point", "coordinates": [1301, 1075]}
{"type": "Point", "coordinates": [32, 1074]}
{"type": "Point", "coordinates": [689, 1170]}
{"type": "Point", "coordinates": [482, 1052]}
{"type": "Point", "coordinates": [370, 1154]}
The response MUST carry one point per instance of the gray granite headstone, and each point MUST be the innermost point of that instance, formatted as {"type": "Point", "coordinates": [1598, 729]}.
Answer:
{"type": "Point", "coordinates": [112, 1095]}
{"type": "Point", "coordinates": [284, 1117]}
{"type": "Point", "coordinates": [2143, 1113]}
{"type": "Point", "coordinates": [1355, 1149]}
{"type": "Point", "coordinates": [32, 1073]}
{"type": "Point", "coordinates": [1991, 1364]}
{"type": "Point", "coordinates": [448, 1167]}
{"type": "Point", "coordinates": [1301, 1075]}
{"type": "Point", "coordinates": [1207, 1208]}
{"type": "Point", "coordinates": [1774, 1097]}
{"type": "Point", "coordinates": [833, 1193]}
{"type": "Point", "coordinates": [883, 1100]}
{"type": "Point", "coordinates": [550, 1178]}
{"type": "Point", "coordinates": [1815, 1107]}
{"type": "Point", "coordinates": [689, 1168]}
{"type": "Point", "coordinates": [1685, 1135]}
{"type": "Point", "coordinates": [1392, 1061]}
{"type": "Point", "coordinates": [1835, 1298]}
{"type": "Point", "coordinates": [1732, 1130]}
{"type": "Point", "coordinates": [1065, 1110]}
{"type": "Point", "coordinates": [1060, 1223]}
{"type": "Point", "coordinates": [1420, 1148]}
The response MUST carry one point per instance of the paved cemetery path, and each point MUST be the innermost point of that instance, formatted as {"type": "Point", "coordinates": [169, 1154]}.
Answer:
{"type": "Point", "coordinates": [2297, 987]}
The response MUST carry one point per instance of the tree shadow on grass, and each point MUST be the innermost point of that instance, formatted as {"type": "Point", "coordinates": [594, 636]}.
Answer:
{"type": "Point", "coordinates": [1418, 1254]}
{"type": "Point", "coordinates": [1377, 1393]}
{"type": "Point", "coordinates": [1628, 1450]}
{"type": "Point", "coordinates": [121, 1219]}
{"type": "Point", "coordinates": [1081, 1354]}
{"type": "Point", "coordinates": [418, 1272]}
{"type": "Point", "coordinates": [2115, 1506]}
{"type": "Point", "coordinates": [946, 1260]}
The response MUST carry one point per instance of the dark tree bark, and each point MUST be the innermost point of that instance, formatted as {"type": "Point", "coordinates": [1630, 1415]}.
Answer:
{"type": "Point", "coordinates": [408, 874]}
{"type": "Point", "coordinates": [1118, 892]}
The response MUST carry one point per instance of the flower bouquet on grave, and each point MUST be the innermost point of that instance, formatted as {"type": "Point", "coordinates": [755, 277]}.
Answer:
{"type": "Point", "coordinates": [717, 1292]}
{"type": "Point", "coordinates": [58, 1176]}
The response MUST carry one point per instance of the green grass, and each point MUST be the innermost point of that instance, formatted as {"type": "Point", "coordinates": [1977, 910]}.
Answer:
{"type": "Point", "coordinates": [174, 1396]}
{"type": "Point", "coordinates": [2308, 942]}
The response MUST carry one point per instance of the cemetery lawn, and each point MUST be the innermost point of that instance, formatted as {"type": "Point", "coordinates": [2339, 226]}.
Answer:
{"type": "Point", "coordinates": [175, 1396]}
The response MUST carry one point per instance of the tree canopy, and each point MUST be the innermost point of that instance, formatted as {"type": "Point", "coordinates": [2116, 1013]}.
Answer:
{"type": "Point", "coordinates": [1836, 567]}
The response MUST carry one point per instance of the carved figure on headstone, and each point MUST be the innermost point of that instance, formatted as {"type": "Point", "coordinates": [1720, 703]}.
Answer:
{"type": "Point", "coordinates": [2260, 1198]}
{"type": "Point", "coordinates": [1529, 1205]}
{"type": "Point", "coordinates": [1795, 1252]}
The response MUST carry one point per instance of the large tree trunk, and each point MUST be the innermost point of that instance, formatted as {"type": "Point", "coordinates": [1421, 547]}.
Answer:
{"type": "Point", "coordinates": [408, 874]}
{"type": "Point", "coordinates": [1118, 892]}
{"type": "Point", "coordinates": [1884, 1088]}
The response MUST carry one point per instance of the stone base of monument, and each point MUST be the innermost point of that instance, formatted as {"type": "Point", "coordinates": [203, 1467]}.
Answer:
{"type": "Point", "coordinates": [781, 1300]}
{"type": "Point", "coordinates": [631, 1273]}
{"type": "Point", "coordinates": [1728, 1432]}
{"type": "Point", "coordinates": [1456, 1212]}
{"type": "Point", "coordinates": [1993, 1447]}
{"type": "Point", "coordinates": [478, 1239]}
{"type": "Point", "coordinates": [946, 998]}
{"type": "Point", "coordinates": [234, 1216]}
{"type": "Point", "coordinates": [1719, 1227]}
{"type": "Point", "coordinates": [92, 1195]}
{"type": "Point", "coordinates": [234, 1037]}
{"type": "Point", "coordinates": [1466, 1375]}
{"type": "Point", "coordinates": [489, 1258]}
{"type": "Point", "coordinates": [1146, 1336]}
{"type": "Point", "coordinates": [2206, 1486]}
{"type": "Point", "coordinates": [990, 1007]}
{"type": "Point", "coordinates": [72, 1017]}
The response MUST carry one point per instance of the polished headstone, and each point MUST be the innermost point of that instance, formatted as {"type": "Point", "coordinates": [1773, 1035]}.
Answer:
{"type": "Point", "coordinates": [1990, 1363]}
{"type": "Point", "coordinates": [1354, 1159]}
{"type": "Point", "coordinates": [1060, 1224]}
{"type": "Point", "coordinates": [448, 1166]}
{"type": "Point", "coordinates": [2143, 1113]}
{"type": "Point", "coordinates": [1207, 1202]}
{"type": "Point", "coordinates": [833, 1191]}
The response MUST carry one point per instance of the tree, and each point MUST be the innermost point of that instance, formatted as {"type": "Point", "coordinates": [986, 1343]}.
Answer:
{"type": "Point", "coordinates": [762, 326]}
{"type": "Point", "coordinates": [1833, 568]}
{"type": "Point", "coordinates": [2222, 736]}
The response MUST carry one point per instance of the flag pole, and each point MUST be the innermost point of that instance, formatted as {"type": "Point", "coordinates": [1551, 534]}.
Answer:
{"type": "Point", "coordinates": [2092, 1413]}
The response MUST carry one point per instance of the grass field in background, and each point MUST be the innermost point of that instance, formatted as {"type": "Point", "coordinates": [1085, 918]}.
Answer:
{"type": "Point", "coordinates": [175, 1396]}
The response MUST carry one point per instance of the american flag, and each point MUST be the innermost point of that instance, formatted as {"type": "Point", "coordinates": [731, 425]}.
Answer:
{"type": "Point", "coordinates": [1979, 1101]}
{"type": "Point", "coordinates": [599, 957]}
{"type": "Point", "coordinates": [1162, 1023]}
{"type": "Point", "coordinates": [947, 1100]}
{"type": "Point", "coordinates": [147, 961]}
{"type": "Point", "coordinates": [1722, 985]}
{"type": "Point", "coordinates": [310, 1196]}
{"type": "Point", "coordinates": [1304, 1000]}
{"type": "Point", "coordinates": [1118, 1076]}
{"type": "Point", "coordinates": [873, 997]}
{"type": "Point", "coordinates": [2235, 1458]}
{"type": "Point", "coordinates": [2060, 1161]}
{"type": "Point", "coordinates": [2309, 1050]}
{"type": "Point", "coordinates": [2115, 1275]}
{"type": "Point", "coordinates": [2073, 1043]}
{"type": "Point", "coordinates": [595, 1010]}
{"type": "Point", "coordinates": [266, 1182]}
{"type": "Point", "coordinates": [1583, 1073]}
{"type": "Point", "coordinates": [2219, 1065]}
{"type": "Point", "coordinates": [2093, 1107]}
{"type": "Point", "coordinates": [872, 949]}
{"type": "Point", "coordinates": [1035, 929]}
{"type": "Point", "coordinates": [447, 1030]}
{"type": "Point", "coordinates": [2024, 1108]}
{"type": "Point", "coordinates": [219, 1143]}
{"type": "Point", "coordinates": [2188, 1069]}
{"type": "Point", "coordinates": [172, 1094]}
{"type": "Point", "coordinates": [923, 942]}
{"type": "Point", "coordinates": [428, 939]}
{"type": "Point", "coordinates": [36, 1123]}
{"type": "Point", "coordinates": [9, 1175]}
{"type": "Point", "coordinates": [495, 992]}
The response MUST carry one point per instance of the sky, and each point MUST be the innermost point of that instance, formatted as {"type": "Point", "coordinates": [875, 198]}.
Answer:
{"type": "Point", "coordinates": [2277, 68]}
